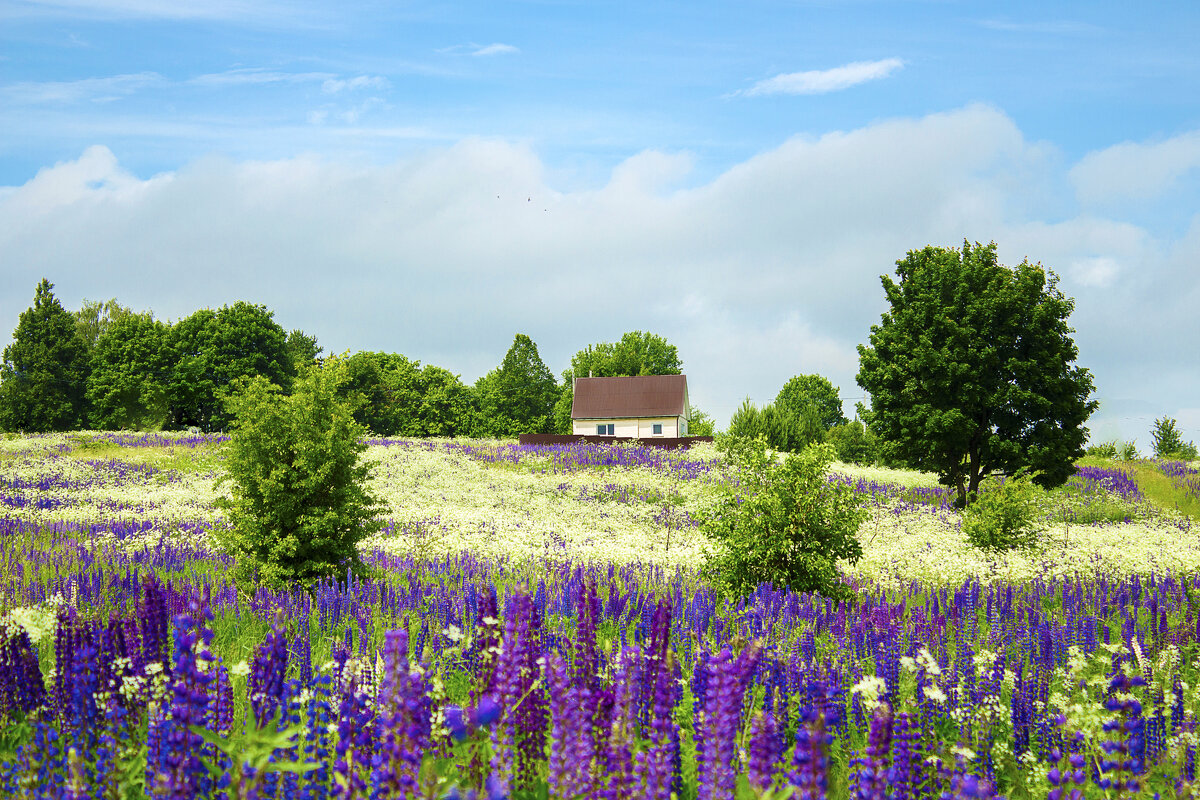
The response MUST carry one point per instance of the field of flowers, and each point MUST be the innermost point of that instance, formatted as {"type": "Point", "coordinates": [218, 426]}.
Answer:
{"type": "Point", "coordinates": [535, 627]}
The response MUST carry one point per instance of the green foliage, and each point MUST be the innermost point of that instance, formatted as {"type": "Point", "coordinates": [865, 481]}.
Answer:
{"type": "Point", "coordinates": [392, 396]}
{"type": "Point", "coordinates": [131, 366]}
{"type": "Point", "coordinates": [971, 370]}
{"type": "Point", "coordinates": [1102, 450]}
{"type": "Point", "coordinates": [803, 391]}
{"type": "Point", "coordinates": [518, 396]}
{"type": "Point", "coordinates": [853, 443]}
{"type": "Point", "coordinates": [299, 503]}
{"type": "Point", "coordinates": [781, 429]}
{"type": "Point", "coordinates": [212, 349]}
{"type": "Point", "coordinates": [44, 374]}
{"type": "Point", "coordinates": [1004, 517]}
{"type": "Point", "coordinates": [701, 424]}
{"type": "Point", "coordinates": [1168, 441]}
{"type": "Point", "coordinates": [302, 349]}
{"type": "Point", "coordinates": [1128, 451]}
{"type": "Point", "coordinates": [637, 353]}
{"type": "Point", "coordinates": [785, 524]}
{"type": "Point", "coordinates": [95, 317]}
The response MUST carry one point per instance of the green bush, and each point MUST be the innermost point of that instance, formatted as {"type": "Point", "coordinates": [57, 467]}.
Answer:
{"type": "Point", "coordinates": [1102, 450]}
{"type": "Point", "coordinates": [299, 505]}
{"type": "Point", "coordinates": [1168, 441]}
{"type": "Point", "coordinates": [1004, 517]}
{"type": "Point", "coordinates": [853, 443]}
{"type": "Point", "coordinates": [783, 523]}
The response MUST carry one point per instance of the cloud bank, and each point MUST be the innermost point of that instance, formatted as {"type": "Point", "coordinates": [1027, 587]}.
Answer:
{"type": "Point", "coordinates": [769, 270]}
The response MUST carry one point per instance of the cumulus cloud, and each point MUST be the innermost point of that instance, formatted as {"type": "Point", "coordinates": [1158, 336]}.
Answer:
{"type": "Point", "coordinates": [826, 80]}
{"type": "Point", "coordinates": [1135, 170]}
{"type": "Point", "coordinates": [768, 270]}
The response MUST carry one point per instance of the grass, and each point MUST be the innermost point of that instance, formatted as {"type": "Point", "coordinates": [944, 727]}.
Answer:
{"type": "Point", "coordinates": [1160, 489]}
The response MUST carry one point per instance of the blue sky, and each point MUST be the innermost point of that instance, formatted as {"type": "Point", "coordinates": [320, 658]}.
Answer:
{"type": "Point", "coordinates": [431, 178]}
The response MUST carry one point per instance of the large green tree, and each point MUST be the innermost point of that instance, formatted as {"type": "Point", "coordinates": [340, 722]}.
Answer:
{"type": "Point", "coordinates": [972, 370]}
{"type": "Point", "coordinates": [211, 349]}
{"type": "Point", "coordinates": [393, 396]}
{"type": "Point", "coordinates": [803, 391]}
{"type": "Point", "coordinates": [636, 353]}
{"type": "Point", "coordinates": [131, 370]}
{"type": "Point", "coordinates": [518, 396]}
{"type": "Point", "coordinates": [43, 377]}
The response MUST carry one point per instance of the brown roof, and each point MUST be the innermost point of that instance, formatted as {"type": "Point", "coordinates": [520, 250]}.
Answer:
{"type": "Point", "coordinates": [638, 396]}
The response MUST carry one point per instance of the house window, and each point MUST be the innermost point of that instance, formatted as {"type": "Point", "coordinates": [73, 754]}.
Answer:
{"type": "Point", "coordinates": [606, 430]}
{"type": "Point", "coordinates": [657, 429]}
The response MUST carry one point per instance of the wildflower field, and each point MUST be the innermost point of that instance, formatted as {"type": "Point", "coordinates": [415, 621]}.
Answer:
{"type": "Point", "coordinates": [535, 626]}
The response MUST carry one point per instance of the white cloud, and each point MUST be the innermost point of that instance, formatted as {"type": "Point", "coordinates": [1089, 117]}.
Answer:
{"type": "Point", "coordinates": [90, 89]}
{"type": "Point", "coordinates": [771, 269]}
{"type": "Point", "coordinates": [495, 49]}
{"type": "Point", "coordinates": [254, 75]}
{"type": "Point", "coordinates": [827, 80]}
{"type": "Point", "coordinates": [1135, 170]}
{"type": "Point", "coordinates": [336, 85]}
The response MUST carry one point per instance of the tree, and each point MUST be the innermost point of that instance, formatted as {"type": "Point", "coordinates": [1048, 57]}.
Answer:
{"type": "Point", "coordinates": [803, 391]}
{"type": "Point", "coordinates": [211, 349]}
{"type": "Point", "coordinates": [302, 349]}
{"type": "Point", "coordinates": [701, 424]}
{"type": "Point", "coordinates": [131, 368]}
{"type": "Point", "coordinates": [392, 396]}
{"type": "Point", "coordinates": [782, 430]}
{"type": "Point", "coordinates": [636, 353]}
{"type": "Point", "coordinates": [299, 503]}
{"type": "Point", "coordinates": [44, 374]}
{"type": "Point", "coordinates": [853, 443]}
{"type": "Point", "coordinates": [784, 524]}
{"type": "Point", "coordinates": [95, 317]}
{"type": "Point", "coordinates": [518, 396]}
{"type": "Point", "coordinates": [1168, 442]}
{"type": "Point", "coordinates": [971, 372]}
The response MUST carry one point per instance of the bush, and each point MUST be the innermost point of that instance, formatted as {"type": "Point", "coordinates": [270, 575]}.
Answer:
{"type": "Point", "coordinates": [1129, 451]}
{"type": "Point", "coordinates": [785, 524]}
{"type": "Point", "coordinates": [299, 504]}
{"type": "Point", "coordinates": [1003, 518]}
{"type": "Point", "coordinates": [853, 443]}
{"type": "Point", "coordinates": [1102, 450]}
{"type": "Point", "coordinates": [1168, 441]}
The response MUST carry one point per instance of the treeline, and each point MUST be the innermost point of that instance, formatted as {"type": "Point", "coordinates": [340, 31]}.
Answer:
{"type": "Point", "coordinates": [109, 367]}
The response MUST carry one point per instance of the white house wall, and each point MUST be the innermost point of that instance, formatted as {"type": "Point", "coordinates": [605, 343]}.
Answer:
{"type": "Point", "coordinates": [634, 428]}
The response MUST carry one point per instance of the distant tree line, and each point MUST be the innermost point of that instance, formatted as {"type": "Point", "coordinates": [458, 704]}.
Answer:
{"type": "Point", "coordinates": [109, 367]}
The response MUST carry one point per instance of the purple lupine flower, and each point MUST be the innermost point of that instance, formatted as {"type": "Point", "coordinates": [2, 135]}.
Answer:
{"type": "Point", "coordinates": [728, 679]}
{"type": "Point", "coordinates": [179, 770]}
{"type": "Point", "coordinates": [356, 723]}
{"type": "Point", "coordinates": [618, 757]}
{"type": "Point", "coordinates": [868, 772]}
{"type": "Point", "coordinates": [765, 751]}
{"type": "Point", "coordinates": [316, 741]}
{"type": "Point", "coordinates": [404, 722]}
{"type": "Point", "coordinates": [656, 765]}
{"type": "Point", "coordinates": [268, 670]}
{"type": "Point", "coordinates": [518, 738]}
{"type": "Point", "coordinates": [905, 773]}
{"type": "Point", "coordinates": [809, 776]}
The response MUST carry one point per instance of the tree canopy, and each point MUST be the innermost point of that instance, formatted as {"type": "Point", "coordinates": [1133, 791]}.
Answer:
{"type": "Point", "coordinates": [393, 396]}
{"type": "Point", "coordinates": [518, 396]}
{"type": "Point", "coordinates": [131, 369]}
{"type": "Point", "coordinates": [971, 370]}
{"type": "Point", "coordinates": [211, 349]}
{"type": "Point", "coordinates": [803, 391]}
{"type": "Point", "coordinates": [43, 377]}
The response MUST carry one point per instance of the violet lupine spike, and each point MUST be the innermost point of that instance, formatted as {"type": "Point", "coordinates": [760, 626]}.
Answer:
{"type": "Point", "coordinates": [655, 767]}
{"type": "Point", "coordinates": [714, 761]}
{"type": "Point", "coordinates": [518, 738]}
{"type": "Point", "coordinates": [570, 760]}
{"type": "Point", "coordinates": [623, 729]}
{"type": "Point", "coordinates": [268, 671]}
{"type": "Point", "coordinates": [180, 772]}
{"type": "Point", "coordinates": [404, 722]}
{"type": "Point", "coordinates": [355, 735]}
{"type": "Point", "coordinates": [765, 752]}
{"type": "Point", "coordinates": [868, 771]}
{"type": "Point", "coordinates": [809, 776]}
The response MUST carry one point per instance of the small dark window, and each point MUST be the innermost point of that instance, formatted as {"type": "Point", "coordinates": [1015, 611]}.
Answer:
{"type": "Point", "coordinates": [600, 430]}
{"type": "Point", "coordinates": [657, 430]}
{"type": "Point", "coordinates": [606, 430]}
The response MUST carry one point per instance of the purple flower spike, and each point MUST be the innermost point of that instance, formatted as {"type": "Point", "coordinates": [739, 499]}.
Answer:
{"type": "Point", "coordinates": [456, 723]}
{"type": "Point", "coordinates": [486, 711]}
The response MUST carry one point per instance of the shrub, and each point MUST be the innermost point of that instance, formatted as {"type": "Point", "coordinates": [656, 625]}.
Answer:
{"type": "Point", "coordinates": [299, 505]}
{"type": "Point", "coordinates": [1003, 518]}
{"type": "Point", "coordinates": [853, 443]}
{"type": "Point", "coordinates": [1102, 450]}
{"type": "Point", "coordinates": [785, 523]}
{"type": "Point", "coordinates": [1129, 451]}
{"type": "Point", "coordinates": [1168, 441]}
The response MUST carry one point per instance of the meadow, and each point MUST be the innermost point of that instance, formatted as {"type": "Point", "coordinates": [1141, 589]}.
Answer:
{"type": "Point", "coordinates": [535, 626]}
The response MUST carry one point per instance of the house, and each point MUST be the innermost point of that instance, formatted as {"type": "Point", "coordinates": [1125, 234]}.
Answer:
{"type": "Point", "coordinates": [640, 407]}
